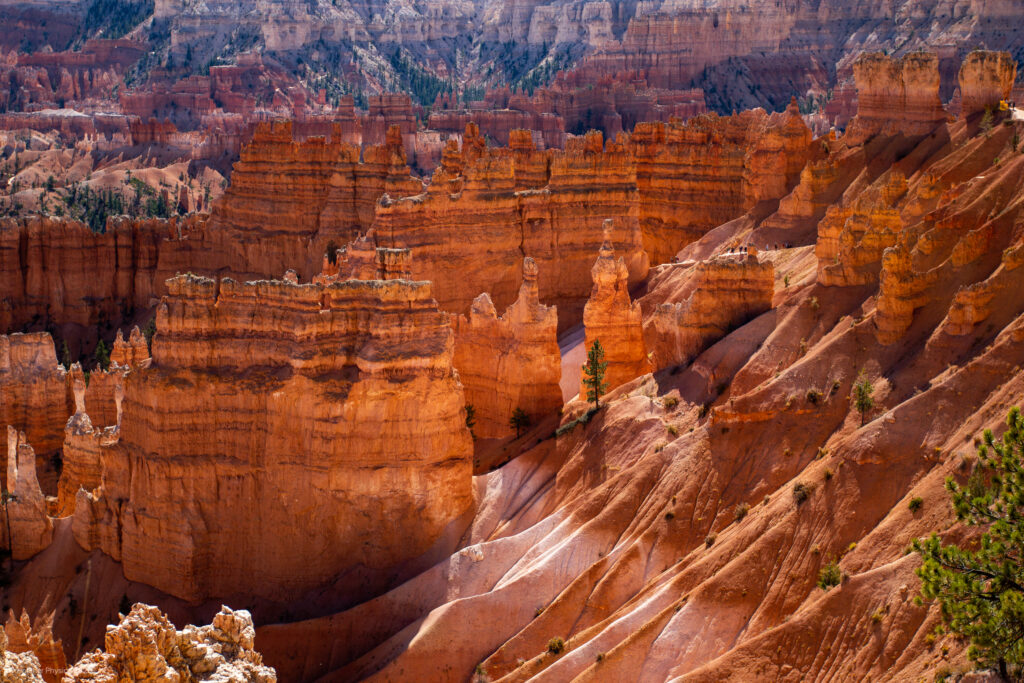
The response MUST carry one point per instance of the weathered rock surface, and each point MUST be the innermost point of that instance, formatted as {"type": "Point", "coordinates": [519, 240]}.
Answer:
{"type": "Point", "coordinates": [718, 296]}
{"type": "Point", "coordinates": [612, 318]}
{"type": "Point", "coordinates": [897, 96]}
{"type": "Point", "coordinates": [985, 79]}
{"type": "Point", "coordinates": [509, 362]}
{"type": "Point", "coordinates": [30, 527]}
{"type": "Point", "coordinates": [287, 200]}
{"type": "Point", "coordinates": [18, 667]}
{"type": "Point", "coordinates": [330, 411]}
{"type": "Point", "coordinates": [145, 646]}
{"type": "Point", "coordinates": [33, 394]}
{"type": "Point", "coordinates": [547, 205]}
{"type": "Point", "coordinates": [59, 271]}
{"type": "Point", "coordinates": [22, 637]}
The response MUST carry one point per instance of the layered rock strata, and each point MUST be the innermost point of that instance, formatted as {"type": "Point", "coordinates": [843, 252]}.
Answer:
{"type": "Point", "coordinates": [851, 239]}
{"type": "Point", "coordinates": [288, 200]}
{"type": "Point", "coordinates": [985, 79]}
{"type": "Point", "coordinates": [330, 411]}
{"type": "Point", "coordinates": [695, 176]}
{"type": "Point", "coordinates": [25, 515]}
{"type": "Point", "coordinates": [83, 443]}
{"type": "Point", "coordinates": [897, 96]}
{"type": "Point", "coordinates": [145, 646]}
{"type": "Point", "coordinates": [33, 394]}
{"type": "Point", "coordinates": [509, 362]}
{"type": "Point", "coordinates": [612, 318]}
{"type": "Point", "coordinates": [59, 271]}
{"type": "Point", "coordinates": [720, 295]}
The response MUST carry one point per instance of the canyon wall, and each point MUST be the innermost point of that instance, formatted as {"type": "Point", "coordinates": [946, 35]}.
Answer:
{"type": "Point", "coordinates": [326, 417]}
{"type": "Point", "coordinates": [985, 79]}
{"type": "Point", "coordinates": [515, 202]}
{"type": "Point", "coordinates": [509, 362]}
{"type": "Point", "coordinates": [718, 296]}
{"type": "Point", "coordinates": [287, 200]}
{"type": "Point", "coordinates": [58, 271]}
{"type": "Point", "coordinates": [33, 393]}
{"type": "Point", "coordinates": [698, 175]}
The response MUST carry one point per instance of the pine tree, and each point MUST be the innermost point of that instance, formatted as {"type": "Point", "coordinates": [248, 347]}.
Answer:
{"type": "Point", "coordinates": [65, 355]}
{"type": "Point", "coordinates": [981, 589]}
{"type": "Point", "coordinates": [471, 418]}
{"type": "Point", "coordinates": [102, 355]}
{"type": "Point", "coordinates": [863, 400]}
{"type": "Point", "coordinates": [519, 421]}
{"type": "Point", "coordinates": [593, 374]}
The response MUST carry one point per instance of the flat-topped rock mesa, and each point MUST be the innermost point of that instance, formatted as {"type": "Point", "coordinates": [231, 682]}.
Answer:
{"type": "Point", "coordinates": [695, 176]}
{"type": "Point", "coordinates": [325, 417]}
{"type": "Point", "coordinates": [985, 79]}
{"type": "Point", "coordinates": [287, 200]}
{"type": "Point", "coordinates": [509, 362]}
{"type": "Point", "coordinates": [717, 297]}
{"type": "Point", "coordinates": [612, 318]}
{"type": "Point", "coordinates": [146, 646]}
{"type": "Point", "coordinates": [897, 96]}
{"type": "Point", "coordinates": [488, 207]}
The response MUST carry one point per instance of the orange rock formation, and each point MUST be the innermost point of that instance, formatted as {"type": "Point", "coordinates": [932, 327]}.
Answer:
{"type": "Point", "coordinates": [33, 394]}
{"type": "Point", "coordinates": [22, 637]}
{"type": "Point", "coordinates": [514, 202]}
{"type": "Point", "coordinates": [146, 647]}
{"type": "Point", "coordinates": [719, 296]}
{"type": "Point", "coordinates": [897, 95]}
{"type": "Point", "coordinates": [18, 667]}
{"type": "Point", "coordinates": [711, 170]}
{"type": "Point", "coordinates": [349, 423]}
{"type": "Point", "coordinates": [985, 79]}
{"type": "Point", "coordinates": [287, 200]}
{"type": "Point", "coordinates": [613, 319]}
{"type": "Point", "coordinates": [26, 514]}
{"type": "Point", "coordinates": [509, 362]}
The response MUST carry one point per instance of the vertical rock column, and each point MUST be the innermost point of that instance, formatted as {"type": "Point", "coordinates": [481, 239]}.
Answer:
{"type": "Point", "coordinates": [611, 317]}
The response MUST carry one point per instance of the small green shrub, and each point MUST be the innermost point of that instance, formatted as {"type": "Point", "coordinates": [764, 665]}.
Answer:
{"type": "Point", "coordinates": [556, 646]}
{"type": "Point", "coordinates": [671, 402]}
{"type": "Point", "coordinates": [814, 397]}
{"type": "Point", "coordinates": [741, 511]}
{"type": "Point", "coordinates": [801, 492]}
{"type": "Point", "coordinates": [829, 576]}
{"type": "Point", "coordinates": [672, 429]}
{"type": "Point", "coordinates": [915, 503]}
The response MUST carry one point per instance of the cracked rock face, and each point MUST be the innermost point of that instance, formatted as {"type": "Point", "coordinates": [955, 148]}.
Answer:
{"type": "Point", "coordinates": [145, 647]}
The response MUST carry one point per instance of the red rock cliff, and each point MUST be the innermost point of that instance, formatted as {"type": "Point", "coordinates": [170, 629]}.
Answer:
{"type": "Point", "coordinates": [281, 436]}
{"type": "Point", "coordinates": [511, 361]}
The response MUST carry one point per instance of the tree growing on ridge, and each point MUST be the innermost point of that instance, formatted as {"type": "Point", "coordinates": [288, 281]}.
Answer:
{"type": "Point", "coordinates": [981, 589]}
{"type": "Point", "coordinates": [863, 399]}
{"type": "Point", "coordinates": [593, 374]}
